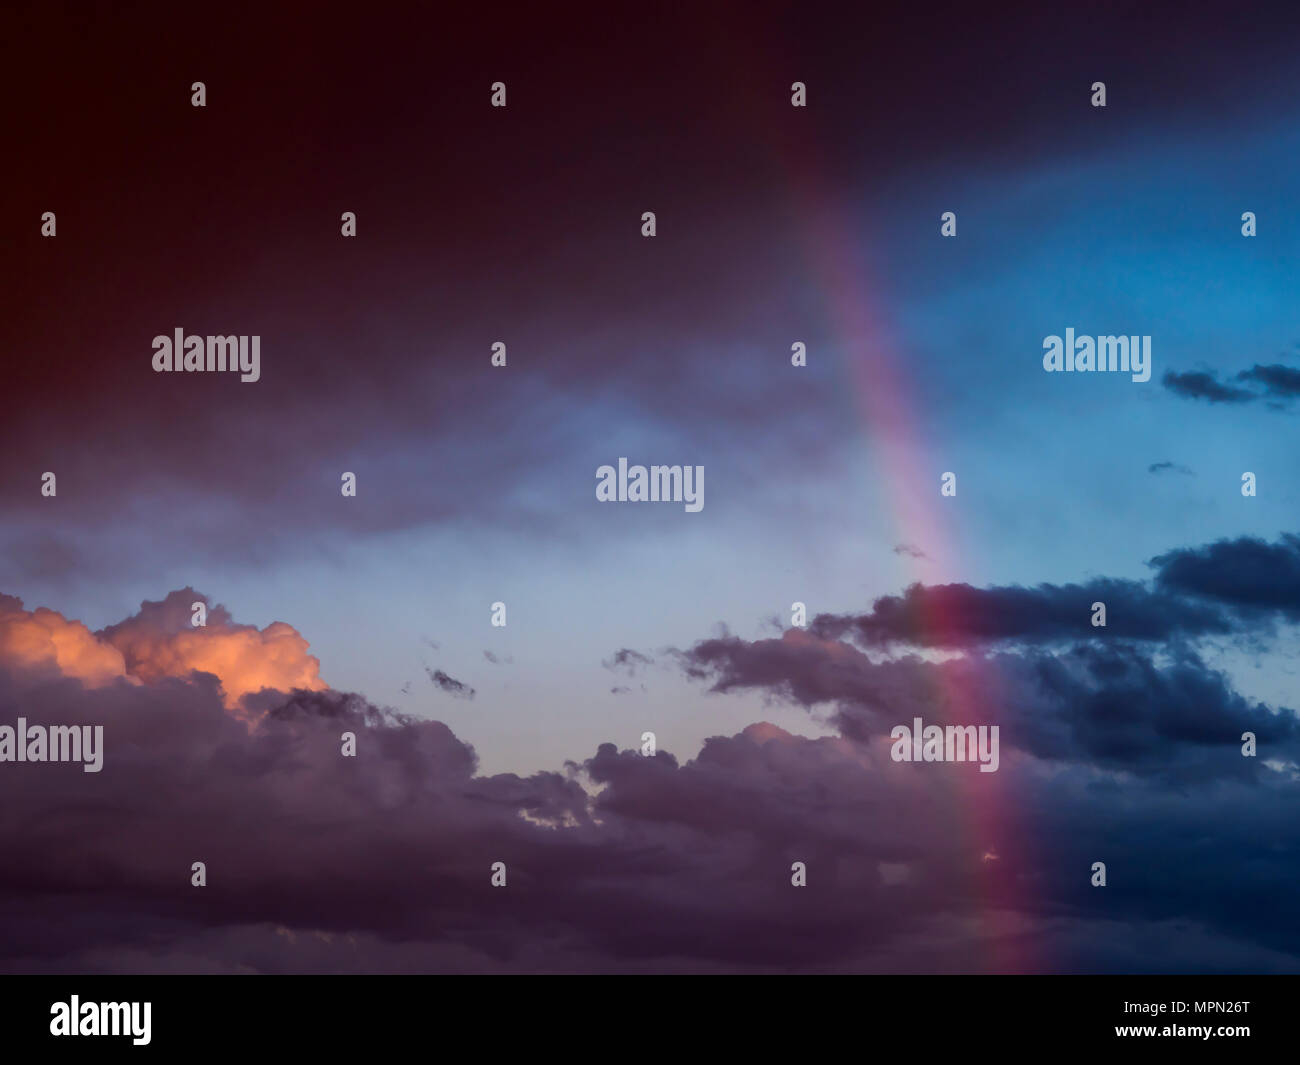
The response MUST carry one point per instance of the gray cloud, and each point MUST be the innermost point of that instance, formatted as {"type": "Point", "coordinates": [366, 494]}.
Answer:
{"type": "Point", "coordinates": [627, 661]}
{"type": "Point", "coordinates": [449, 684]}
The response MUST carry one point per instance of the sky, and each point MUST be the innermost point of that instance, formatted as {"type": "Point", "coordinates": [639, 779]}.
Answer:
{"type": "Point", "coordinates": [476, 485]}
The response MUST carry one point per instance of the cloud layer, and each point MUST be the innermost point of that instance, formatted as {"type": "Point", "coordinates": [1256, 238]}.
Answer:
{"type": "Point", "coordinates": [616, 862]}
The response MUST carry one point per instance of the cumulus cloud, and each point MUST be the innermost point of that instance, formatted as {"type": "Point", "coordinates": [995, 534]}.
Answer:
{"type": "Point", "coordinates": [44, 641]}
{"type": "Point", "coordinates": [621, 862]}
{"type": "Point", "coordinates": [158, 642]}
{"type": "Point", "coordinates": [161, 641]}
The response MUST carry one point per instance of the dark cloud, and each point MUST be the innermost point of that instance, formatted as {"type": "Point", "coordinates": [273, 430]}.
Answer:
{"type": "Point", "coordinates": [958, 615]}
{"type": "Point", "coordinates": [1247, 573]}
{"type": "Point", "coordinates": [910, 551]}
{"type": "Point", "coordinates": [1107, 704]}
{"type": "Point", "coordinates": [1169, 467]}
{"type": "Point", "coordinates": [1278, 381]}
{"type": "Point", "coordinates": [1195, 592]}
{"type": "Point", "coordinates": [1273, 382]}
{"type": "Point", "coordinates": [449, 684]}
{"type": "Point", "coordinates": [348, 363]}
{"type": "Point", "coordinates": [1200, 385]}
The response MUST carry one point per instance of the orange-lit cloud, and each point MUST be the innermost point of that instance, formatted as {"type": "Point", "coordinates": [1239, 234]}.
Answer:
{"type": "Point", "coordinates": [45, 641]}
{"type": "Point", "coordinates": [158, 642]}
